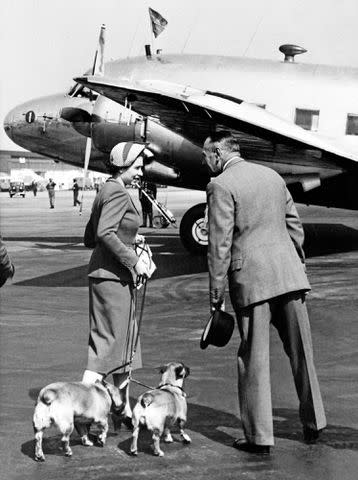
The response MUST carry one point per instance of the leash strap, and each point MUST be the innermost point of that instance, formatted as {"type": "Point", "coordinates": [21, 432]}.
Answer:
{"type": "Point", "coordinates": [139, 325]}
{"type": "Point", "coordinates": [131, 331]}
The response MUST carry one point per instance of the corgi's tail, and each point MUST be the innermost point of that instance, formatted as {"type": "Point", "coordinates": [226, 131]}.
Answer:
{"type": "Point", "coordinates": [147, 399]}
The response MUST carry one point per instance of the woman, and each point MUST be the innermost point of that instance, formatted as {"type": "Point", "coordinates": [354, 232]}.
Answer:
{"type": "Point", "coordinates": [114, 268]}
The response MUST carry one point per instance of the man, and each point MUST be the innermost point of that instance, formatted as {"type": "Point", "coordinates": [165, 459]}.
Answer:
{"type": "Point", "coordinates": [34, 187]}
{"type": "Point", "coordinates": [255, 241]}
{"type": "Point", "coordinates": [147, 207]}
{"type": "Point", "coordinates": [7, 268]}
{"type": "Point", "coordinates": [50, 187]}
{"type": "Point", "coordinates": [75, 189]}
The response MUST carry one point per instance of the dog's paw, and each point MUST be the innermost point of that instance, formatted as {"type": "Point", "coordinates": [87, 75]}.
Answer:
{"type": "Point", "coordinates": [186, 439]}
{"type": "Point", "coordinates": [134, 453]}
{"type": "Point", "coordinates": [168, 438]}
{"type": "Point", "coordinates": [40, 458]}
{"type": "Point", "coordinates": [100, 442]}
{"type": "Point", "coordinates": [86, 442]}
{"type": "Point", "coordinates": [68, 453]}
{"type": "Point", "coordinates": [158, 453]}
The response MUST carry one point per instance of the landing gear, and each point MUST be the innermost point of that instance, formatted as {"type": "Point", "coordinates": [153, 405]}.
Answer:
{"type": "Point", "coordinates": [193, 230]}
{"type": "Point", "coordinates": [160, 222]}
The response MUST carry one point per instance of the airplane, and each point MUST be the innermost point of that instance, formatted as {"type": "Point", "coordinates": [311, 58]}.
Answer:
{"type": "Point", "coordinates": [299, 119]}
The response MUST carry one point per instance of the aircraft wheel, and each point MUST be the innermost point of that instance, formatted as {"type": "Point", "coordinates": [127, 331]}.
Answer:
{"type": "Point", "coordinates": [193, 233]}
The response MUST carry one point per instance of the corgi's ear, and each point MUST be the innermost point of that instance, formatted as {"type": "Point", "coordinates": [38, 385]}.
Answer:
{"type": "Point", "coordinates": [161, 369]}
{"type": "Point", "coordinates": [182, 371]}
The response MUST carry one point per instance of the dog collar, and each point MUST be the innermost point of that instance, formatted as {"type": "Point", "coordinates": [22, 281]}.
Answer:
{"type": "Point", "coordinates": [113, 405]}
{"type": "Point", "coordinates": [160, 387]}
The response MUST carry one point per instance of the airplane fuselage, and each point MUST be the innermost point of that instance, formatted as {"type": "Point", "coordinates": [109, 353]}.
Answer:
{"type": "Point", "coordinates": [322, 97]}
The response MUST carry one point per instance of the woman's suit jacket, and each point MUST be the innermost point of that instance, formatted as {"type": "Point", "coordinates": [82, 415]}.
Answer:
{"type": "Point", "coordinates": [111, 231]}
{"type": "Point", "coordinates": [255, 235]}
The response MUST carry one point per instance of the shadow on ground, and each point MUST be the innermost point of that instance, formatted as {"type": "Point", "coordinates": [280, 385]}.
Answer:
{"type": "Point", "coordinates": [320, 239]}
{"type": "Point", "coordinates": [212, 423]}
{"type": "Point", "coordinates": [326, 238]}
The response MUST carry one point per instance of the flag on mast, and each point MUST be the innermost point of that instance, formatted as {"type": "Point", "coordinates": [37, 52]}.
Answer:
{"type": "Point", "coordinates": [158, 22]}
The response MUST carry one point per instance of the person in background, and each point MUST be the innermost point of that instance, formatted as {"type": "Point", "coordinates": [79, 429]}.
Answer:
{"type": "Point", "coordinates": [7, 268]}
{"type": "Point", "coordinates": [34, 187]}
{"type": "Point", "coordinates": [114, 269]}
{"type": "Point", "coordinates": [50, 187]}
{"type": "Point", "coordinates": [147, 207]}
{"type": "Point", "coordinates": [255, 241]}
{"type": "Point", "coordinates": [75, 189]}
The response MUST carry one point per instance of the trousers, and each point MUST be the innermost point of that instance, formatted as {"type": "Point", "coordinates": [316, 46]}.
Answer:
{"type": "Point", "coordinates": [288, 314]}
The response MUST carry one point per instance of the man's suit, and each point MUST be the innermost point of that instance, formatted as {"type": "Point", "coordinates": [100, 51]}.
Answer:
{"type": "Point", "coordinates": [255, 241]}
{"type": "Point", "coordinates": [111, 231]}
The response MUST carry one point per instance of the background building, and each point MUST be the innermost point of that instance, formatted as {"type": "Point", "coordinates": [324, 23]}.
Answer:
{"type": "Point", "coordinates": [28, 167]}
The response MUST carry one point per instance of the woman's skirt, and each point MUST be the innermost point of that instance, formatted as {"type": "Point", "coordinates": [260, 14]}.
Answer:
{"type": "Point", "coordinates": [113, 331]}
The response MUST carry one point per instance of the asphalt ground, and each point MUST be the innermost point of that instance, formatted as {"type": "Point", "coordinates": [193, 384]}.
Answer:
{"type": "Point", "coordinates": [43, 338]}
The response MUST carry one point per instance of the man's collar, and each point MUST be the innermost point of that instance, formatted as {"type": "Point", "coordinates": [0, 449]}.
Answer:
{"type": "Point", "coordinates": [232, 157]}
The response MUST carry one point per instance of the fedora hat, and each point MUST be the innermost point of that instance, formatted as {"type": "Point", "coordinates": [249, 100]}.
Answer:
{"type": "Point", "coordinates": [218, 330]}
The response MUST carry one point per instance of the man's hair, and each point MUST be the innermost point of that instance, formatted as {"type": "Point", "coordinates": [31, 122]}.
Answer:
{"type": "Point", "coordinates": [224, 140]}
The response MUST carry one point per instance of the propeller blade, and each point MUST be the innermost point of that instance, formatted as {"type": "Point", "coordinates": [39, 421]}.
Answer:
{"type": "Point", "coordinates": [85, 168]}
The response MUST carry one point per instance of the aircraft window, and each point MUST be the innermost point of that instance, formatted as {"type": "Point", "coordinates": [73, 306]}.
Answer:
{"type": "Point", "coordinates": [307, 119]}
{"type": "Point", "coordinates": [82, 92]}
{"type": "Point", "coordinates": [352, 124]}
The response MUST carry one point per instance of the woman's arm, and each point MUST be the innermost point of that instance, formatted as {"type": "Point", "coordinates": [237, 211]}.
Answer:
{"type": "Point", "coordinates": [112, 213]}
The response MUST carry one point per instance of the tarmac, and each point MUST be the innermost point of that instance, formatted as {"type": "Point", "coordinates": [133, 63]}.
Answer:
{"type": "Point", "coordinates": [44, 329]}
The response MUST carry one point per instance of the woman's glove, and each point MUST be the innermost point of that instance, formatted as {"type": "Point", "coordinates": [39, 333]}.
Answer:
{"type": "Point", "coordinates": [141, 269]}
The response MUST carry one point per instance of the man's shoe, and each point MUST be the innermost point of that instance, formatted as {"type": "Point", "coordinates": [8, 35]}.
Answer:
{"type": "Point", "coordinates": [311, 436]}
{"type": "Point", "coordinates": [247, 447]}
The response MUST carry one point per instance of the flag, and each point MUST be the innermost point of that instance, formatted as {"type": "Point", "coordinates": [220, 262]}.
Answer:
{"type": "Point", "coordinates": [158, 22]}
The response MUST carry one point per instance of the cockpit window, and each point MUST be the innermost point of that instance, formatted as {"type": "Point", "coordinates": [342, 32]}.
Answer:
{"type": "Point", "coordinates": [81, 91]}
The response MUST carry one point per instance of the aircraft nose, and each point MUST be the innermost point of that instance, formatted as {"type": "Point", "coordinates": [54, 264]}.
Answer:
{"type": "Point", "coordinates": [17, 119]}
{"type": "Point", "coordinates": [8, 121]}
{"type": "Point", "coordinates": [24, 124]}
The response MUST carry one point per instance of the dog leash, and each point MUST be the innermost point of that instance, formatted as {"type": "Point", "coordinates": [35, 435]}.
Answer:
{"type": "Point", "coordinates": [135, 338]}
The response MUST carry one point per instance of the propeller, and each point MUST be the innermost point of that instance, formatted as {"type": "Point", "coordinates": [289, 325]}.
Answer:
{"type": "Point", "coordinates": [97, 69]}
{"type": "Point", "coordinates": [85, 169]}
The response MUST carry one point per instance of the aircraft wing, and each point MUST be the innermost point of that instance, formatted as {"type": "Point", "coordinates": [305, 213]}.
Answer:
{"type": "Point", "coordinates": [193, 112]}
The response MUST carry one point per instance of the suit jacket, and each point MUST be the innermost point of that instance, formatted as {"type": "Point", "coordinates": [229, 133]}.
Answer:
{"type": "Point", "coordinates": [255, 235]}
{"type": "Point", "coordinates": [6, 265]}
{"type": "Point", "coordinates": [111, 231]}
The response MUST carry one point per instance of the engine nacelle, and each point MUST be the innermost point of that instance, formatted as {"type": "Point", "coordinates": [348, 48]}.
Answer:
{"type": "Point", "coordinates": [113, 123]}
{"type": "Point", "coordinates": [175, 158]}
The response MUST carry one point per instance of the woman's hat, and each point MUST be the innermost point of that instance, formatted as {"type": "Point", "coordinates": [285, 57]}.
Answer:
{"type": "Point", "coordinates": [218, 330]}
{"type": "Point", "coordinates": [125, 153]}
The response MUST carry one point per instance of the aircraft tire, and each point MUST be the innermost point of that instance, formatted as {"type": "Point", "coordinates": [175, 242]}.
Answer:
{"type": "Point", "coordinates": [192, 235]}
